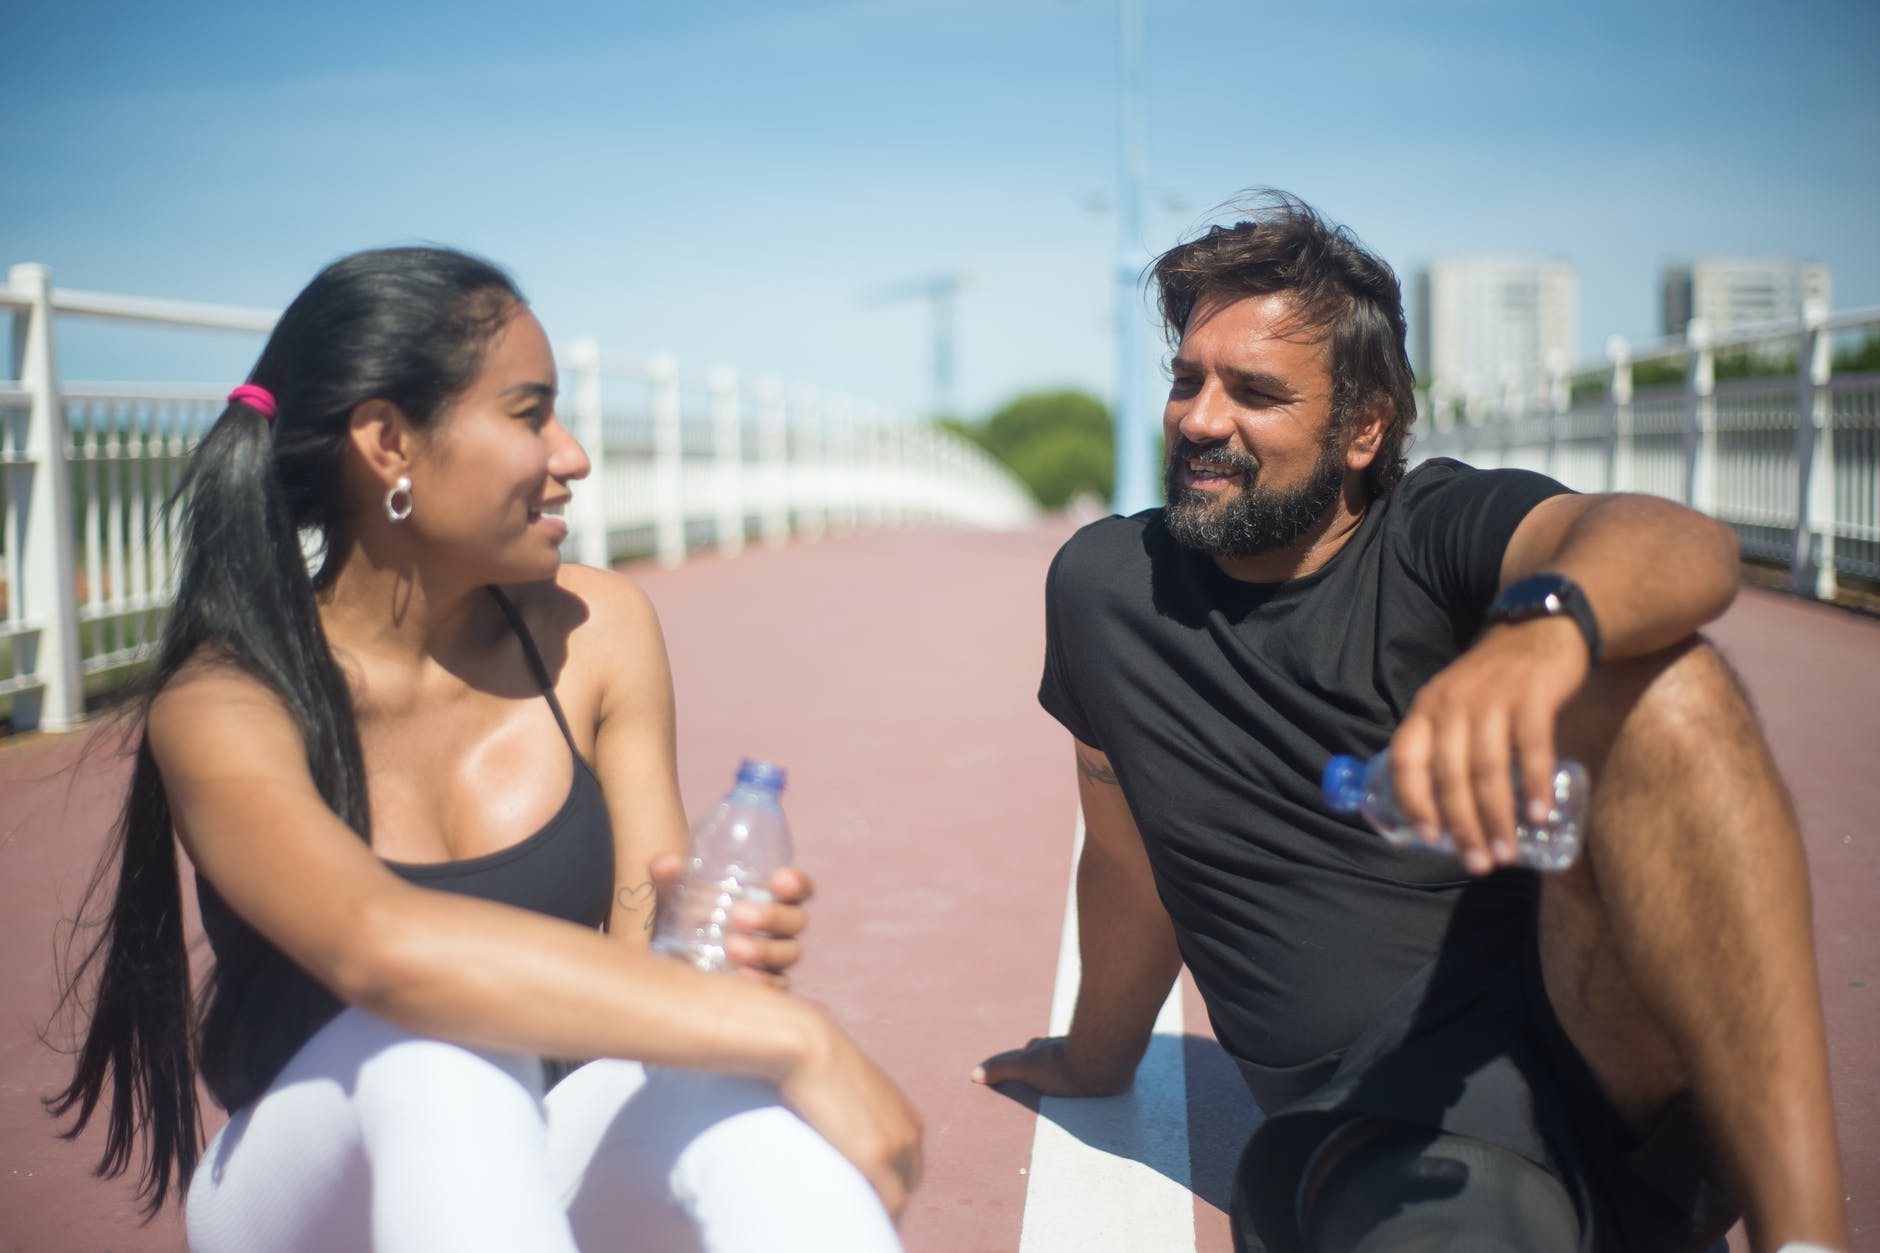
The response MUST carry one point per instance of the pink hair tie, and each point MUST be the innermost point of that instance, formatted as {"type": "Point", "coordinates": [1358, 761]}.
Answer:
{"type": "Point", "coordinates": [260, 399]}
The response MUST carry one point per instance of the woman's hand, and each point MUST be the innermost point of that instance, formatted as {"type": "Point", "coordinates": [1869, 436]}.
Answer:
{"type": "Point", "coordinates": [855, 1106]}
{"type": "Point", "coordinates": [765, 943]}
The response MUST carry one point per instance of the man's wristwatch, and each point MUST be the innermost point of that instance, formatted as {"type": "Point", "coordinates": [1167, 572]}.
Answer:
{"type": "Point", "coordinates": [1547, 596]}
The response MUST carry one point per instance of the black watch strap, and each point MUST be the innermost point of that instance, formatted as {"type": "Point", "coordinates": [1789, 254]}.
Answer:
{"type": "Point", "coordinates": [1548, 596]}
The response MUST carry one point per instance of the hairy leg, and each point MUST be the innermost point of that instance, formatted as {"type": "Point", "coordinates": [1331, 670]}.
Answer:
{"type": "Point", "coordinates": [1680, 952]}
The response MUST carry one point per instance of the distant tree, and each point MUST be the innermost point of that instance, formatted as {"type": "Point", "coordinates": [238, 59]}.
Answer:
{"type": "Point", "coordinates": [971, 431]}
{"type": "Point", "coordinates": [1585, 387]}
{"type": "Point", "coordinates": [1760, 361]}
{"type": "Point", "coordinates": [1058, 443]}
{"type": "Point", "coordinates": [1657, 371]}
{"type": "Point", "coordinates": [1063, 463]}
{"type": "Point", "coordinates": [1757, 361]}
{"type": "Point", "coordinates": [1862, 356]}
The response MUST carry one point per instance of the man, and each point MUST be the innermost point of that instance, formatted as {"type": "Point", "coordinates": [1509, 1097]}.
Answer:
{"type": "Point", "coordinates": [1617, 1056]}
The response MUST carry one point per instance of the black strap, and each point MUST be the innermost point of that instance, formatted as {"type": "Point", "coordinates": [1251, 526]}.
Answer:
{"type": "Point", "coordinates": [535, 658]}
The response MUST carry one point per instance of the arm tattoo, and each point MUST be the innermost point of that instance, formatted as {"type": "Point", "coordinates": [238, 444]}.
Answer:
{"type": "Point", "coordinates": [1095, 771]}
{"type": "Point", "coordinates": [640, 897]}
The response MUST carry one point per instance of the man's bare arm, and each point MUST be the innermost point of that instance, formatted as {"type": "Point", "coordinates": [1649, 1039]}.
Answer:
{"type": "Point", "coordinates": [1128, 951]}
{"type": "Point", "coordinates": [1653, 572]}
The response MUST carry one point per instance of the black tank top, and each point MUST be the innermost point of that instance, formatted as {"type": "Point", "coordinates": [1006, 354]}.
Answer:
{"type": "Point", "coordinates": [265, 1007]}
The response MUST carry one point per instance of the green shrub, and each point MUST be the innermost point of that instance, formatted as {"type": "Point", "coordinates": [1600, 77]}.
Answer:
{"type": "Point", "coordinates": [1058, 443]}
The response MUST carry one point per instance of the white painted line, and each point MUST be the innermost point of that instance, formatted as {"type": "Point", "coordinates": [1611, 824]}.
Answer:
{"type": "Point", "coordinates": [1111, 1173]}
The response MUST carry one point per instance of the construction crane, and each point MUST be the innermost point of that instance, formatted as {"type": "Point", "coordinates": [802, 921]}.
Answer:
{"type": "Point", "coordinates": [942, 293]}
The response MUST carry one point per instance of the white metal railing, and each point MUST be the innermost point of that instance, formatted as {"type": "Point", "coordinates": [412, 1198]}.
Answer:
{"type": "Point", "coordinates": [1790, 460]}
{"type": "Point", "coordinates": [681, 461]}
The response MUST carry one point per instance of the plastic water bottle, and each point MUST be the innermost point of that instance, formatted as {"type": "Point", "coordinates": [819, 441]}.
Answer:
{"type": "Point", "coordinates": [734, 852]}
{"type": "Point", "coordinates": [1364, 788]}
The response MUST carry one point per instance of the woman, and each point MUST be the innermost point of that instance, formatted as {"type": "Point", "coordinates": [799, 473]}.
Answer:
{"type": "Point", "coordinates": [414, 786]}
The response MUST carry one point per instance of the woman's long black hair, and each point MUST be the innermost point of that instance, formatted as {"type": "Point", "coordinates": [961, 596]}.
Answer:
{"type": "Point", "coordinates": [408, 325]}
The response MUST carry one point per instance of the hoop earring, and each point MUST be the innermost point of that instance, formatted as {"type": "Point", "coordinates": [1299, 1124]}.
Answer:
{"type": "Point", "coordinates": [395, 509]}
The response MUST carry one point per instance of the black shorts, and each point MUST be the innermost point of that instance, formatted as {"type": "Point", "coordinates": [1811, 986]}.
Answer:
{"type": "Point", "coordinates": [1471, 1046]}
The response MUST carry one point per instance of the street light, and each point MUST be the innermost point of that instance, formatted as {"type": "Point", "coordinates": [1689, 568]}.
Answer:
{"type": "Point", "coordinates": [942, 292]}
{"type": "Point", "coordinates": [1135, 475]}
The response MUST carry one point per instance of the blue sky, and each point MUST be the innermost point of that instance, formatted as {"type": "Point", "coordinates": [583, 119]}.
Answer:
{"type": "Point", "coordinates": [732, 180]}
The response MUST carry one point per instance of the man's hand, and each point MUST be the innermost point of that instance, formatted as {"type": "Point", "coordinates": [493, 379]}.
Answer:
{"type": "Point", "coordinates": [1654, 571]}
{"type": "Point", "coordinates": [1453, 760]}
{"type": "Point", "coordinates": [765, 943]}
{"type": "Point", "coordinates": [1129, 963]}
{"type": "Point", "coordinates": [1045, 1065]}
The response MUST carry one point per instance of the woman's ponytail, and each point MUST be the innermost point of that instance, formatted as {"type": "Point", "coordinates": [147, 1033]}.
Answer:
{"type": "Point", "coordinates": [140, 1038]}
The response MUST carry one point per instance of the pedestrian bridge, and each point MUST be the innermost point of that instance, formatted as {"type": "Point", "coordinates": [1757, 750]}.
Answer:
{"type": "Point", "coordinates": [935, 804]}
{"type": "Point", "coordinates": [862, 600]}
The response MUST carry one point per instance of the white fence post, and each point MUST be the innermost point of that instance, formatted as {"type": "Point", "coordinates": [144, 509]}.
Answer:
{"type": "Point", "coordinates": [1619, 416]}
{"type": "Point", "coordinates": [728, 453]}
{"type": "Point", "coordinates": [1514, 395]}
{"type": "Point", "coordinates": [668, 472]}
{"type": "Point", "coordinates": [856, 459]}
{"type": "Point", "coordinates": [1700, 422]}
{"type": "Point", "coordinates": [590, 498]}
{"type": "Point", "coordinates": [809, 468]}
{"type": "Point", "coordinates": [933, 462]}
{"type": "Point", "coordinates": [773, 445]}
{"type": "Point", "coordinates": [48, 595]}
{"type": "Point", "coordinates": [892, 434]}
{"type": "Point", "coordinates": [1559, 400]}
{"type": "Point", "coordinates": [869, 464]}
{"type": "Point", "coordinates": [838, 442]}
{"type": "Point", "coordinates": [1811, 565]}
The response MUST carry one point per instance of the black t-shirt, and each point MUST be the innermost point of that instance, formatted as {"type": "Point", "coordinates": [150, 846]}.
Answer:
{"type": "Point", "coordinates": [1219, 703]}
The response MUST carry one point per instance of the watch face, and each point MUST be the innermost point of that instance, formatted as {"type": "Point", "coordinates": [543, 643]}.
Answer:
{"type": "Point", "coordinates": [1538, 595]}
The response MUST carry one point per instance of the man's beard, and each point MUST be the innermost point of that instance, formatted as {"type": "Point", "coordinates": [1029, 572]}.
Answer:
{"type": "Point", "coordinates": [1255, 519]}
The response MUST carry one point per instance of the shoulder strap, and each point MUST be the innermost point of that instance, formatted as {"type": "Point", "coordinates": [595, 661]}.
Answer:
{"type": "Point", "coordinates": [534, 656]}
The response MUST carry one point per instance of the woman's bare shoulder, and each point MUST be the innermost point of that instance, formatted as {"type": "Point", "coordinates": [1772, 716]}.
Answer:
{"type": "Point", "coordinates": [212, 682]}
{"type": "Point", "coordinates": [215, 719]}
{"type": "Point", "coordinates": [597, 621]}
{"type": "Point", "coordinates": [582, 604]}
{"type": "Point", "coordinates": [614, 597]}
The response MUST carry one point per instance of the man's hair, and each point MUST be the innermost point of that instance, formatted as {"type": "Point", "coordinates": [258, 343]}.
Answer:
{"type": "Point", "coordinates": [1339, 289]}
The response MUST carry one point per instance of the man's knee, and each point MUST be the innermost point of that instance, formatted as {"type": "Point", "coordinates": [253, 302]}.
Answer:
{"type": "Point", "coordinates": [1672, 709]}
{"type": "Point", "coordinates": [1693, 686]}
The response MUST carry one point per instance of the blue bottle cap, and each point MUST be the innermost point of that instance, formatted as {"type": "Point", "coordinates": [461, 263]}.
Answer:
{"type": "Point", "coordinates": [762, 774]}
{"type": "Point", "coordinates": [1343, 784]}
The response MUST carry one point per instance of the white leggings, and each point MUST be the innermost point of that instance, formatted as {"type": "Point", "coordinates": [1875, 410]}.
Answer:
{"type": "Point", "coordinates": [373, 1138]}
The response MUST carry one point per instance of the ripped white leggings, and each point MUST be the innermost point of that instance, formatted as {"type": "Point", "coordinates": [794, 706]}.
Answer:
{"type": "Point", "coordinates": [373, 1138]}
